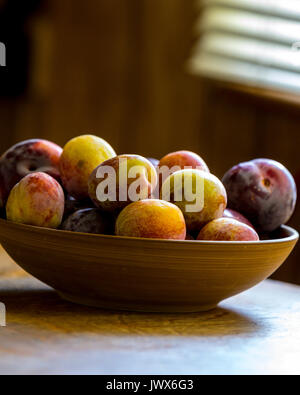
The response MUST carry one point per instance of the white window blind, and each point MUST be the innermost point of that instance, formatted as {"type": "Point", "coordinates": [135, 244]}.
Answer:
{"type": "Point", "coordinates": [255, 42]}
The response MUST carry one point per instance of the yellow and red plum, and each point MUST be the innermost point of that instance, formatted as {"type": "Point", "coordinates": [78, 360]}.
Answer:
{"type": "Point", "coordinates": [25, 158]}
{"type": "Point", "coordinates": [184, 159]}
{"type": "Point", "coordinates": [228, 213]}
{"type": "Point", "coordinates": [80, 157]}
{"type": "Point", "coordinates": [264, 191]}
{"type": "Point", "coordinates": [200, 195]}
{"type": "Point", "coordinates": [90, 220]}
{"type": "Point", "coordinates": [226, 229]}
{"type": "Point", "coordinates": [38, 199]}
{"type": "Point", "coordinates": [179, 160]}
{"type": "Point", "coordinates": [120, 181]}
{"type": "Point", "coordinates": [154, 219]}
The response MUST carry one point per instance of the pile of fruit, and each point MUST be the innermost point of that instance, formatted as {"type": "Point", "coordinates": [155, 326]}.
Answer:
{"type": "Point", "coordinates": [43, 185]}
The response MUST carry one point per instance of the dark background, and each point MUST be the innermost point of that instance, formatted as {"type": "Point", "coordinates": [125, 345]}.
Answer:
{"type": "Point", "coordinates": [117, 68]}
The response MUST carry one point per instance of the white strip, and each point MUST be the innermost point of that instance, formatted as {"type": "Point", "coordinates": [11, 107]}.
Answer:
{"type": "Point", "coordinates": [249, 24]}
{"type": "Point", "coordinates": [242, 72]}
{"type": "Point", "coordinates": [249, 50]}
{"type": "Point", "coordinates": [284, 8]}
{"type": "Point", "coordinates": [2, 314]}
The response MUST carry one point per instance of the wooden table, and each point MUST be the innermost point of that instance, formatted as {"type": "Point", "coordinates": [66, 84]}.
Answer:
{"type": "Point", "coordinates": [254, 333]}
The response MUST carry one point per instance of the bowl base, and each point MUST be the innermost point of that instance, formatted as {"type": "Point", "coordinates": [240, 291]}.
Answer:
{"type": "Point", "coordinates": [135, 308]}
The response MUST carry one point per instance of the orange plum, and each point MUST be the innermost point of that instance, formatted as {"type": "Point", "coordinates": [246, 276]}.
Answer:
{"type": "Point", "coordinates": [154, 219]}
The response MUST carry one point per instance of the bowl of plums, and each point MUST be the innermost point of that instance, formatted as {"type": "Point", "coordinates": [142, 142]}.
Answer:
{"type": "Point", "coordinates": [126, 232]}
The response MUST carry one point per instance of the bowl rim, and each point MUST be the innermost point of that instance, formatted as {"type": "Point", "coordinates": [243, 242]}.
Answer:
{"type": "Point", "coordinates": [293, 235]}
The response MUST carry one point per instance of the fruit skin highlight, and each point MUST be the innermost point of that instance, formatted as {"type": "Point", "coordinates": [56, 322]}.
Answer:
{"type": "Point", "coordinates": [226, 229]}
{"type": "Point", "coordinates": [24, 158]}
{"type": "Point", "coordinates": [213, 196]}
{"type": "Point", "coordinates": [264, 191]}
{"type": "Point", "coordinates": [80, 157]}
{"type": "Point", "coordinates": [122, 165]}
{"type": "Point", "coordinates": [38, 199]}
{"type": "Point", "coordinates": [154, 219]}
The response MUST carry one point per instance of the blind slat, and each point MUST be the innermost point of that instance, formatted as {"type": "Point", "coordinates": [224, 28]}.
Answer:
{"type": "Point", "coordinates": [282, 8]}
{"type": "Point", "coordinates": [250, 24]}
{"type": "Point", "coordinates": [252, 51]}
{"type": "Point", "coordinates": [246, 73]}
{"type": "Point", "coordinates": [242, 41]}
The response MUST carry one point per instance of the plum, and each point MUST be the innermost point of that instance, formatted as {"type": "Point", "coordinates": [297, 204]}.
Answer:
{"type": "Point", "coordinates": [38, 199]}
{"type": "Point", "coordinates": [113, 192]}
{"type": "Point", "coordinates": [264, 191]}
{"type": "Point", "coordinates": [228, 213]}
{"type": "Point", "coordinates": [152, 218]}
{"type": "Point", "coordinates": [80, 157]}
{"type": "Point", "coordinates": [179, 160]}
{"type": "Point", "coordinates": [72, 205]}
{"type": "Point", "coordinates": [25, 158]}
{"type": "Point", "coordinates": [184, 159]}
{"type": "Point", "coordinates": [90, 220]}
{"type": "Point", "coordinates": [207, 196]}
{"type": "Point", "coordinates": [189, 237]}
{"type": "Point", "coordinates": [226, 229]}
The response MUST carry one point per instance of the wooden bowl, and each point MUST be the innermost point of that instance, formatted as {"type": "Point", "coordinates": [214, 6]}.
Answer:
{"type": "Point", "coordinates": [142, 274]}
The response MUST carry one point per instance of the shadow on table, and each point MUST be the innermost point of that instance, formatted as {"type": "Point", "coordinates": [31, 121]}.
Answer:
{"type": "Point", "coordinates": [43, 309]}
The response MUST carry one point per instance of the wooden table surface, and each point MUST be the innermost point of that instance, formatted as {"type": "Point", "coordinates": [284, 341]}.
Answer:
{"type": "Point", "coordinates": [257, 332]}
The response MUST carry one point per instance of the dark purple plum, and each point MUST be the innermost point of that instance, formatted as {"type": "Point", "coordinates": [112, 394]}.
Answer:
{"type": "Point", "coordinates": [90, 220]}
{"type": "Point", "coordinates": [25, 158]}
{"type": "Point", "coordinates": [189, 237]}
{"type": "Point", "coordinates": [2, 213]}
{"type": "Point", "coordinates": [264, 191]}
{"type": "Point", "coordinates": [72, 205]}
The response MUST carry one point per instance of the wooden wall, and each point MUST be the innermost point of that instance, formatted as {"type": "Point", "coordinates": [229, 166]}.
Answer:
{"type": "Point", "coordinates": [114, 68]}
{"type": "Point", "coordinates": [117, 69]}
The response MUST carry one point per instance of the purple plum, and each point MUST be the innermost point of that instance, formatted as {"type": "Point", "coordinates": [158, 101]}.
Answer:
{"type": "Point", "coordinates": [264, 191]}
{"type": "Point", "coordinates": [90, 220]}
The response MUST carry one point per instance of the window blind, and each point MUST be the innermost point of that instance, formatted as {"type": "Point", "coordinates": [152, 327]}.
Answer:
{"type": "Point", "coordinates": [255, 42]}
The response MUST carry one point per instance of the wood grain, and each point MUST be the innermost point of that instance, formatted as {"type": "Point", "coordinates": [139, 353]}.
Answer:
{"type": "Point", "coordinates": [254, 333]}
{"type": "Point", "coordinates": [142, 274]}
